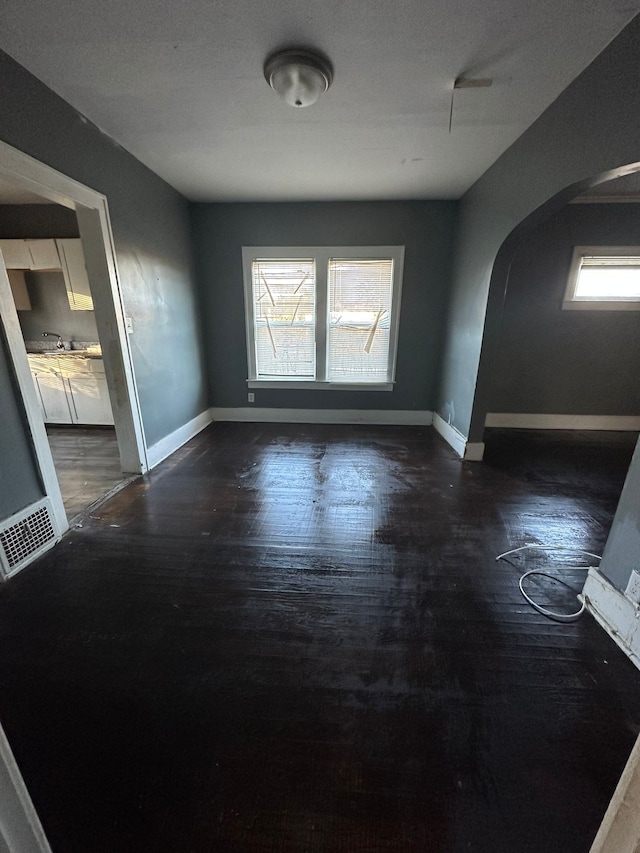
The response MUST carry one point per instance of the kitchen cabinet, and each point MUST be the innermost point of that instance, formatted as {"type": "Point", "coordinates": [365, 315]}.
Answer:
{"type": "Point", "coordinates": [75, 275]}
{"type": "Point", "coordinates": [71, 389]}
{"type": "Point", "coordinates": [16, 254]}
{"type": "Point", "coordinates": [89, 398]}
{"type": "Point", "coordinates": [62, 254]}
{"type": "Point", "coordinates": [51, 391]}
{"type": "Point", "coordinates": [30, 254]}
{"type": "Point", "coordinates": [44, 255]}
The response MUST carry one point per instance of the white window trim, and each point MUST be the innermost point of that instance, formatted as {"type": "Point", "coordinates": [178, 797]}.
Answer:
{"type": "Point", "coordinates": [322, 256]}
{"type": "Point", "coordinates": [571, 303]}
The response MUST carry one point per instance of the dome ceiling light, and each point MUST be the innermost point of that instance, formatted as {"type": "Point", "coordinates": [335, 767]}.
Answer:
{"type": "Point", "coordinates": [299, 76]}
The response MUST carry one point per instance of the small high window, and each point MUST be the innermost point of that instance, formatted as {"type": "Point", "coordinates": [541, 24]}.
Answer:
{"type": "Point", "coordinates": [604, 278]}
{"type": "Point", "coordinates": [322, 317]}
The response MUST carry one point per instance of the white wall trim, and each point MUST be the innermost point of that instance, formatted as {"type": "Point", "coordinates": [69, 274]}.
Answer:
{"type": "Point", "coordinates": [619, 423]}
{"type": "Point", "coordinates": [172, 442]}
{"type": "Point", "coordinates": [616, 613]}
{"type": "Point", "coordinates": [468, 451]}
{"type": "Point", "coordinates": [20, 827]}
{"type": "Point", "coordinates": [252, 414]}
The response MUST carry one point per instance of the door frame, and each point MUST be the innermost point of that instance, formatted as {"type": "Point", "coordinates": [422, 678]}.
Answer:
{"type": "Point", "coordinates": [94, 224]}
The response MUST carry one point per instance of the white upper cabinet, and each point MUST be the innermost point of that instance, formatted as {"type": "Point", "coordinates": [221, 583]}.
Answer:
{"type": "Point", "coordinates": [75, 274]}
{"type": "Point", "coordinates": [62, 254]}
{"type": "Point", "coordinates": [30, 254]}
{"type": "Point", "coordinates": [16, 254]}
{"type": "Point", "coordinates": [44, 255]}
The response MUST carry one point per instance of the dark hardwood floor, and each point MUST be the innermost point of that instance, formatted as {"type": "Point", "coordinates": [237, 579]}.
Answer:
{"type": "Point", "coordinates": [87, 463]}
{"type": "Point", "coordinates": [294, 639]}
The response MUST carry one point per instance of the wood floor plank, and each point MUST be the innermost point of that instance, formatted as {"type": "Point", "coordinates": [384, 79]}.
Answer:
{"type": "Point", "coordinates": [294, 639]}
{"type": "Point", "coordinates": [87, 463]}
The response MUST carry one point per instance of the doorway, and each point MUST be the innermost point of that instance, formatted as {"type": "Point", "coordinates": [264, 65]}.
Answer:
{"type": "Point", "coordinates": [63, 321]}
{"type": "Point", "coordinates": [44, 259]}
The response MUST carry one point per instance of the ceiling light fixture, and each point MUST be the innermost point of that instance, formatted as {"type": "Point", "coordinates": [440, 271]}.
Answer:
{"type": "Point", "coordinates": [299, 76]}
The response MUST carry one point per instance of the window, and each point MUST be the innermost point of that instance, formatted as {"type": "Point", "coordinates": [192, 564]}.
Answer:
{"type": "Point", "coordinates": [604, 278]}
{"type": "Point", "coordinates": [322, 317]}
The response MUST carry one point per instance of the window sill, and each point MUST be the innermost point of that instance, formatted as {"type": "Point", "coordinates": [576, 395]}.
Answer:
{"type": "Point", "coordinates": [600, 305]}
{"type": "Point", "coordinates": [316, 385]}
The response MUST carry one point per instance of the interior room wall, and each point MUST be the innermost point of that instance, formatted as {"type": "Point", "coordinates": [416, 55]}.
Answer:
{"type": "Point", "coordinates": [153, 247]}
{"type": "Point", "coordinates": [551, 361]}
{"type": "Point", "coordinates": [426, 229]}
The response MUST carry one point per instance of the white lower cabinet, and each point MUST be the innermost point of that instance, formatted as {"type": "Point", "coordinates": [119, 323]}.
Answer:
{"type": "Point", "coordinates": [89, 399]}
{"type": "Point", "coordinates": [71, 390]}
{"type": "Point", "coordinates": [52, 395]}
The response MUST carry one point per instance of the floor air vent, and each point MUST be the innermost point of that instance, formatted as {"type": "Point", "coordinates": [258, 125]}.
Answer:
{"type": "Point", "coordinates": [25, 535]}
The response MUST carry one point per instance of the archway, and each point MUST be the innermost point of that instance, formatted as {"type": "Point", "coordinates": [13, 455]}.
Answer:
{"type": "Point", "coordinates": [499, 287]}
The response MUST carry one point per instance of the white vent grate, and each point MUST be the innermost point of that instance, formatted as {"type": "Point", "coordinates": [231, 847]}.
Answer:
{"type": "Point", "coordinates": [25, 535]}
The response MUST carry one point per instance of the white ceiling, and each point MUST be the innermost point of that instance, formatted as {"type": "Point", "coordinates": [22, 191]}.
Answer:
{"type": "Point", "coordinates": [180, 85]}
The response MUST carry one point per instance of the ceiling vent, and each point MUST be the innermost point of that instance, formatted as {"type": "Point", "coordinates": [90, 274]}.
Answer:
{"type": "Point", "coordinates": [25, 536]}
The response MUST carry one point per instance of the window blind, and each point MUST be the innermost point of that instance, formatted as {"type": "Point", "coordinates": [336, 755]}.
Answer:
{"type": "Point", "coordinates": [284, 295]}
{"type": "Point", "coordinates": [608, 277]}
{"type": "Point", "coordinates": [359, 333]}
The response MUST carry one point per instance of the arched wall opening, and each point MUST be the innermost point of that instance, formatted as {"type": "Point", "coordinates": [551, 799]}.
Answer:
{"type": "Point", "coordinates": [501, 280]}
{"type": "Point", "coordinates": [590, 134]}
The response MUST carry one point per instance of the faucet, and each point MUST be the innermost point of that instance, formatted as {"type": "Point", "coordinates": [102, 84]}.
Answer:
{"type": "Point", "coordinates": [59, 343]}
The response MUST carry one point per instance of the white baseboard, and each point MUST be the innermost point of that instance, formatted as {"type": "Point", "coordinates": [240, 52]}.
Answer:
{"type": "Point", "coordinates": [251, 414]}
{"type": "Point", "coordinates": [469, 451]}
{"type": "Point", "coordinates": [172, 442]}
{"type": "Point", "coordinates": [619, 423]}
{"type": "Point", "coordinates": [616, 613]}
{"type": "Point", "coordinates": [474, 451]}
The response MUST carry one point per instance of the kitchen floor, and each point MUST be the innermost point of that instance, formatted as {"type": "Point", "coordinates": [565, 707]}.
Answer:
{"type": "Point", "coordinates": [87, 463]}
{"type": "Point", "coordinates": [297, 639]}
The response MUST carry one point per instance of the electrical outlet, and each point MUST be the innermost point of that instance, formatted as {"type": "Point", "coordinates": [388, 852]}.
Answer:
{"type": "Point", "coordinates": [633, 587]}
{"type": "Point", "coordinates": [251, 397]}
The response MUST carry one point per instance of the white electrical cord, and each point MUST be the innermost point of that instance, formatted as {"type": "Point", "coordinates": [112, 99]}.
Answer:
{"type": "Point", "coordinates": [557, 617]}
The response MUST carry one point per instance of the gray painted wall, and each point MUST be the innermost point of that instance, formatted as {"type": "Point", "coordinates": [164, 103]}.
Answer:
{"type": "Point", "coordinates": [424, 228]}
{"type": "Point", "coordinates": [591, 130]}
{"type": "Point", "coordinates": [622, 551]}
{"type": "Point", "coordinates": [552, 361]}
{"type": "Point", "coordinates": [151, 232]}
